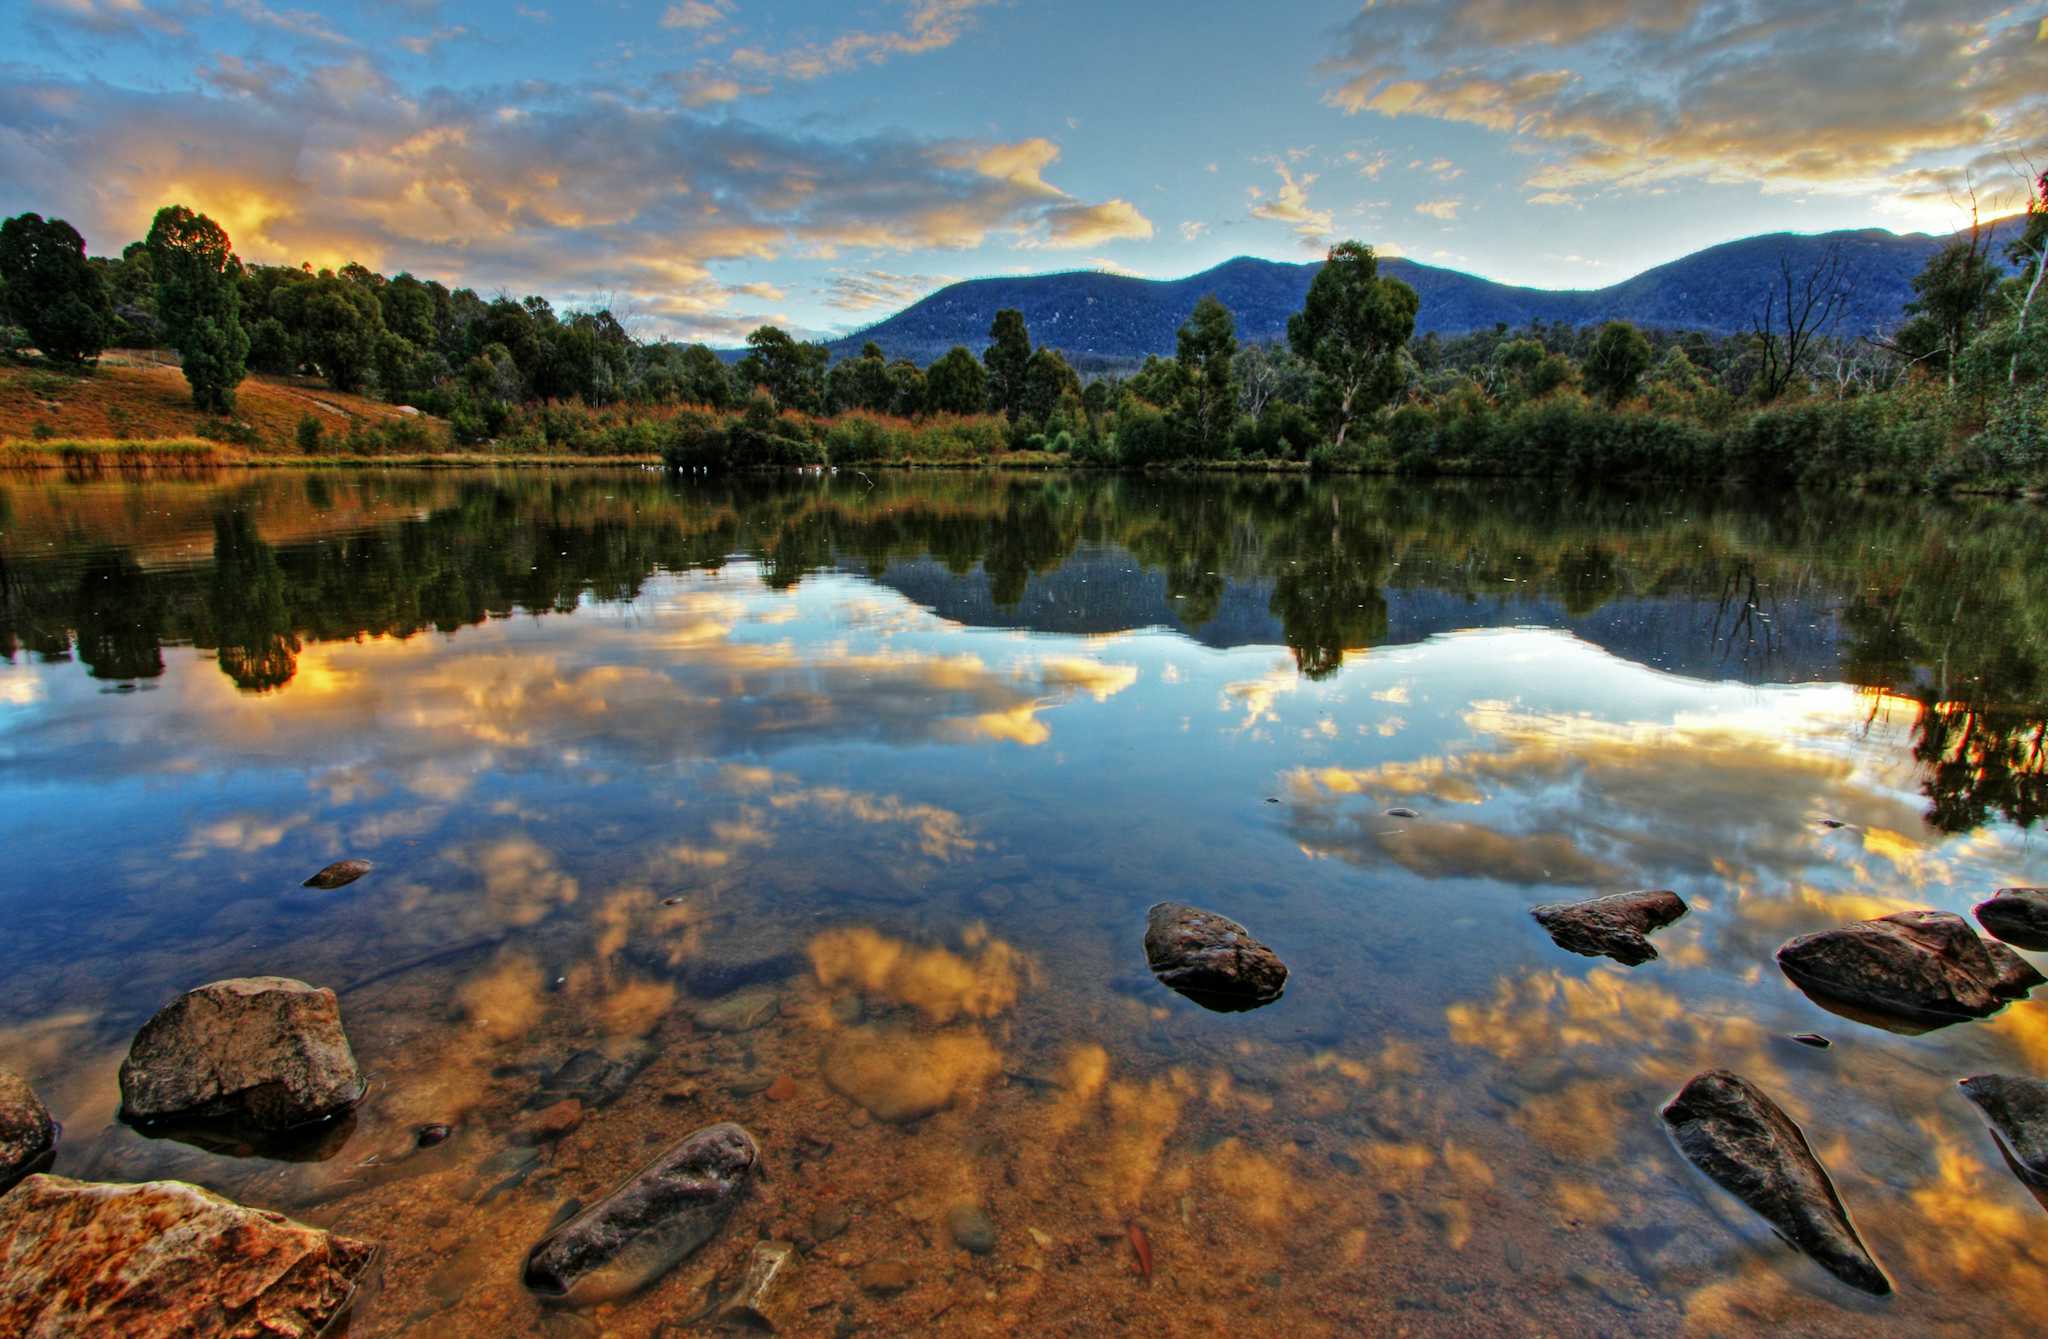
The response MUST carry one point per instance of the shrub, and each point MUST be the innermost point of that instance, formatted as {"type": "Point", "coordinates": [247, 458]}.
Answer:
{"type": "Point", "coordinates": [309, 435]}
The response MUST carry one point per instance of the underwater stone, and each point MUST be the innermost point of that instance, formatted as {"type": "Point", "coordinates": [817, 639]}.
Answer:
{"type": "Point", "coordinates": [1927, 966]}
{"type": "Point", "coordinates": [1745, 1144]}
{"type": "Point", "coordinates": [338, 875]}
{"type": "Point", "coordinates": [1616, 926]}
{"type": "Point", "coordinates": [2018, 1111]}
{"type": "Point", "coordinates": [2018, 916]}
{"type": "Point", "coordinates": [764, 1299]}
{"type": "Point", "coordinates": [1210, 958]}
{"type": "Point", "coordinates": [657, 1218]}
{"type": "Point", "coordinates": [264, 1052]}
{"type": "Point", "coordinates": [741, 1012]}
{"type": "Point", "coordinates": [28, 1137]}
{"type": "Point", "coordinates": [971, 1228]}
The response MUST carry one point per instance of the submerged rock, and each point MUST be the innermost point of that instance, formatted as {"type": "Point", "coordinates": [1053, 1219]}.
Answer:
{"type": "Point", "coordinates": [338, 875]}
{"type": "Point", "coordinates": [2018, 1112]}
{"type": "Point", "coordinates": [764, 1300]}
{"type": "Point", "coordinates": [2018, 916]}
{"type": "Point", "coordinates": [1925, 966]}
{"type": "Point", "coordinates": [1731, 1131]}
{"type": "Point", "coordinates": [971, 1228]}
{"type": "Point", "coordinates": [165, 1259]}
{"type": "Point", "coordinates": [721, 974]}
{"type": "Point", "coordinates": [1211, 959]}
{"type": "Point", "coordinates": [1616, 926]}
{"type": "Point", "coordinates": [742, 1011]}
{"type": "Point", "coordinates": [264, 1052]}
{"type": "Point", "coordinates": [28, 1137]}
{"type": "Point", "coordinates": [650, 1223]}
{"type": "Point", "coordinates": [892, 1077]}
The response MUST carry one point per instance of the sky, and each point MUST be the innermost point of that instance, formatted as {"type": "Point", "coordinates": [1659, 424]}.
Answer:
{"type": "Point", "coordinates": [705, 166]}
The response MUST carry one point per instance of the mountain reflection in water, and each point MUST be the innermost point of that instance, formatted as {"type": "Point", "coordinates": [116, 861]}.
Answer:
{"type": "Point", "coordinates": [908, 759]}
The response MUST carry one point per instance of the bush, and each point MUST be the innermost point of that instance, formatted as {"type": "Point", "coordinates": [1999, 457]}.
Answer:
{"type": "Point", "coordinates": [309, 435]}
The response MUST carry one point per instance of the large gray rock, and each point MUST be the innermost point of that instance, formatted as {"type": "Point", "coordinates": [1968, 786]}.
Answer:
{"type": "Point", "coordinates": [1210, 958]}
{"type": "Point", "coordinates": [1616, 926]}
{"type": "Point", "coordinates": [165, 1260]}
{"type": "Point", "coordinates": [1924, 966]}
{"type": "Point", "coordinates": [2018, 1111]}
{"type": "Point", "coordinates": [648, 1224]}
{"type": "Point", "coordinates": [2018, 916]}
{"type": "Point", "coordinates": [264, 1052]}
{"type": "Point", "coordinates": [28, 1137]}
{"type": "Point", "coordinates": [1735, 1134]}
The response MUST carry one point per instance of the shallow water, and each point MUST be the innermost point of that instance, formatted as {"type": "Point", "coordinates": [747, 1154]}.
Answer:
{"type": "Point", "coordinates": [912, 756]}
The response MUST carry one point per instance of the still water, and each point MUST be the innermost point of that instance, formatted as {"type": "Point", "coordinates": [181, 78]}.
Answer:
{"type": "Point", "coordinates": [723, 785]}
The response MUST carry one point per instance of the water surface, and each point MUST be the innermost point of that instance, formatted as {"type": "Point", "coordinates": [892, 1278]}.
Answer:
{"type": "Point", "coordinates": [912, 756]}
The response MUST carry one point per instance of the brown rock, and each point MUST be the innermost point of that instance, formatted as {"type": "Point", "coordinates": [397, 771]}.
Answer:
{"type": "Point", "coordinates": [781, 1090]}
{"type": "Point", "coordinates": [765, 1299]}
{"type": "Point", "coordinates": [549, 1123]}
{"type": "Point", "coordinates": [338, 875]}
{"type": "Point", "coordinates": [1923, 966]}
{"type": "Point", "coordinates": [164, 1260]}
{"type": "Point", "coordinates": [263, 1051]}
{"type": "Point", "coordinates": [28, 1137]}
{"type": "Point", "coordinates": [654, 1220]}
{"type": "Point", "coordinates": [2015, 976]}
{"type": "Point", "coordinates": [1616, 926]}
{"type": "Point", "coordinates": [1746, 1145]}
{"type": "Point", "coordinates": [1210, 958]}
{"type": "Point", "coordinates": [2018, 916]}
{"type": "Point", "coordinates": [887, 1276]}
{"type": "Point", "coordinates": [2017, 1109]}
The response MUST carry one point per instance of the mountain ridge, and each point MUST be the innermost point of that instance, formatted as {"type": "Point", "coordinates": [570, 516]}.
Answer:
{"type": "Point", "coordinates": [1100, 319]}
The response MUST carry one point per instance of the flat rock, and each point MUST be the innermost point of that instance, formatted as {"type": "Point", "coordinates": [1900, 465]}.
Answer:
{"type": "Point", "coordinates": [338, 875]}
{"type": "Point", "coordinates": [554, 1121]}
{"type": "Point", "coordinates": [1210, 958]}
{"type": "Point", "coordinates": [1745, 1144]}
{"type": "Point", "coordinates": [1924, 966]}
{"type": "Point", "coordinates": [2018, 1111]}
{"type": "Point", "coordinates": [264, 1052]}
{"type": "Point", "coordinates": [2018, 916]}
{"type": "Point", "coordinates": [886, 1276]}
{"type": "Point", "coordinates": [650, 1223]}
{"type": "Point", "coordinates": [1616, 926]}
{"type": "Point", "coordinates": [165, 1260]}
{"type": "Point", "coordinates": [28, 1137]}
{"type": "Point", "coordinates": [765, 1298]}
{"type": "Point", "coordinates": [901, 1077]}
{"type": "Point", "coordinates": [742, 1011]}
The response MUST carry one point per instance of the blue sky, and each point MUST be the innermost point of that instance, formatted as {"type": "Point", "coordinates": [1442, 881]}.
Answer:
{"type": "Point", "coordinates": [706, 165]}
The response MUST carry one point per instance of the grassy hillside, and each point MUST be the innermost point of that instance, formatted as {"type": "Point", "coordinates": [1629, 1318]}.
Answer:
{"type": "Point", "coordinates": [140, 396]}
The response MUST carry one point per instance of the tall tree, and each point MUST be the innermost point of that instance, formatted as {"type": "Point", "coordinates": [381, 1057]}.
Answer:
{"type": "Point", "coordinates": [1006, 357]}
{"type": "Point", "coordinates": [1799, 307]}
{"type": "Point", "coordinates": [793, 372]}
{"type": "Point", "coordinates": [1352, 330]}
{"type": "Point", "coordinates": [199, 302]}
{"type": "Point", "coordinates": [335, 323]}
{"type": "Point", "coordinates": [1949, 299]}
{"type": "Point", "coordinates": [956, 384]}
{"type": "Point", "coordinates": [57, 294]}
{"type": "Point", "coordinates": [1616, 362]}
{"type": "Point", "coordinates": [1206, 349]}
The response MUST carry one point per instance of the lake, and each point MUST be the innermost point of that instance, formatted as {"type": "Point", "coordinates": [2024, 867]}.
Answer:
{"type": "Point", "coordinates": [751, 798]}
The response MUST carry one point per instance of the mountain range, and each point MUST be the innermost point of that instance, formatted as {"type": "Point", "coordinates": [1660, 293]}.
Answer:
{"type": "Point", "coordinates": [1100, 320]}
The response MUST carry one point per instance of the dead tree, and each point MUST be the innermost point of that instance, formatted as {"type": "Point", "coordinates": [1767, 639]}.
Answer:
{"type": "Point", "coordinates": [1798, 308]}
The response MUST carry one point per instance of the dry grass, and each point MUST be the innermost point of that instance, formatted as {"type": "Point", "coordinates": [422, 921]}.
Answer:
{"type": "Point", "coordinates": [137, 396]}
{"type": "Point", "coordinates": [105, 453]}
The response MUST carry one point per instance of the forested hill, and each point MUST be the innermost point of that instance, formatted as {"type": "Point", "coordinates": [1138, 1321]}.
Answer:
{"type": "Point", "coordinates": [1098, 319]}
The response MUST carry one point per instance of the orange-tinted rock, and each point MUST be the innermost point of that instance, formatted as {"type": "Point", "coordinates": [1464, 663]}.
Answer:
{"type": "Point", "coordinates": [164, 1260]}
{"type": "Point", "coordinates": [550, 1122]}
{"type": "Point", "coordinates": [781, 1090]}
{"type": "Point", "coordinates": [265, 1052]}
{"type": "Point", "coordinates": [1927, 967]}
{"type": "Point", "coordinates": [1210, 958]}
{"type": "Point", "coordinates": [28, 1137]}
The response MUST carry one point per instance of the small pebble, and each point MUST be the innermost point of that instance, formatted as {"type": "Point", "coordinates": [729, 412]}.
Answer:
{"type": "Point", "coordinates": [829, 1221]}
{"type": "Point", "coordinates": [429, 1135]}
{"type": "Point", "coordinates": [887, 1276]}
{"type": "Point", "coordinates": [971, 1228]}
{"type": "Point", "coordinates": [549, 1123]}
{"type": "Point", "coordinates": [781, 1090]}
{"type": "Point", "coordinates": [1813, 1039]}
{"type": "Point", "coordinates": [1402, 812]}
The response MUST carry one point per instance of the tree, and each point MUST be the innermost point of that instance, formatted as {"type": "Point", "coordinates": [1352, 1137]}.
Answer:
{"type": "Point", "coordinates": [199, 302]}
{"type": "Point", "coordinates": [956, 384]}
{"type": "Point", "coordinates": [860, 383]}
{"type": "Point", "coordinates": [793, 372]}
{"type": "Point", "coordinates": [1006, 357]}
{"type": "Point", "coordinates": [1206, 349]}
{"type": "Point", "coordinates": [1616, 362]}
{"type": "Point", "coordinates": [1047, 378]}
{"type": "Point", "coordinates": [1949, 298]}
{"type": "Point", "coordinates": [336, 323]}
{"type": "Point", "coordinates": [1352, 330]}
{"type": "Point", "coordinates": [2029, 251]}
{"type": "Point", "coordinates": [1799, 307]}
{"type": "Point", "coordinates": [57, 294]}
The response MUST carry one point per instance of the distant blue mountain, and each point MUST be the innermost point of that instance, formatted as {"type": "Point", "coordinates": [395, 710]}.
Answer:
{"type": "Point", "coordinates": [1101, 320]}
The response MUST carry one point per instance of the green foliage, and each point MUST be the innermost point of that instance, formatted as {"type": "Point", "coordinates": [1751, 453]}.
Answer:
{"type": "Point", "coordinates": [310, 434]}
{"type": "Point", "coordinates": [337, 324]}
{"type": "Point", "coordinates": [956, 384]}
{"type": "Point", "coordinates": [1007, 359]}
{"type": "Point", "coordinates": [1206, 350]}
{"type": "Point", "coordinates": [1351, 330]}
{"type": "Point", "coordinates": [1616, 362]}
{"type": "Point", "coordinates": [792, 372]}
{"type": "Point", "coordinates": [56, 294]}
{"type": "Point", "coordinates": [199, 301]}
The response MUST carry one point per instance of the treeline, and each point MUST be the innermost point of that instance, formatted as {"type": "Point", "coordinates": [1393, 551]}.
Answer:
{"type": "Point", "coordinates": [1958, 394]}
